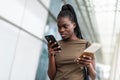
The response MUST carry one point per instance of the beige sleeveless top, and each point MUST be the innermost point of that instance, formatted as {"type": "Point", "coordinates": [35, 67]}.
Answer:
{"type": "Point", "coordinates": [66, 68]}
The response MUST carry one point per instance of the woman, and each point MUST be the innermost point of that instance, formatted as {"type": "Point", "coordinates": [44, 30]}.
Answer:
{"type": "Point", "coordinates": [62, 63]}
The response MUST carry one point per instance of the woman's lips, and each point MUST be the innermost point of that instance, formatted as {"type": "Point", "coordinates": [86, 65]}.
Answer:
{"type": "Point", "coordinates": [63, 35]}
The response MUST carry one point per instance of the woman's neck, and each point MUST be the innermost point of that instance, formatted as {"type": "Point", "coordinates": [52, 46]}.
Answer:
{"type": "Point", "coordinates": [72, 38]}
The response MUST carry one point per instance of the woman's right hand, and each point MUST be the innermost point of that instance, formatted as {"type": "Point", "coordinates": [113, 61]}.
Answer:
{"type": "Point", "coordinates": [52, 49]}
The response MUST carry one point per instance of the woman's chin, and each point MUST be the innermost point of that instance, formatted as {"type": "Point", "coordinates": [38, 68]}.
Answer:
{"type": "Point", "coordinates": [64, 38]}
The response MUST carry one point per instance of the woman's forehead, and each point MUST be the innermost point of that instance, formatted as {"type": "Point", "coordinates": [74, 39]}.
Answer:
{"type": "Point", "coordinates": [63, 19]}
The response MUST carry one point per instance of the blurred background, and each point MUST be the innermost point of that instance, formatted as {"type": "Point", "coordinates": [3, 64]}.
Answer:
{"type": "Point", "coordinates": [24, 23]}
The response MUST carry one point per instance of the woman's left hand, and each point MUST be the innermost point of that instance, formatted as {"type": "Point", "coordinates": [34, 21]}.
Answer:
{"type": "Point", "coordinates": [85, 60]}
{"type": "Point", "coordinates": [89, 62]}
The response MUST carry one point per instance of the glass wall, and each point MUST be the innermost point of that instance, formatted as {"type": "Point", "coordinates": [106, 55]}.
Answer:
{"type": "Point", "coordinates": [22, 25]}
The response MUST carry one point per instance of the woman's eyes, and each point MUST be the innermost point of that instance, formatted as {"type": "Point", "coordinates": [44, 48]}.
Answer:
{"type": "Point", "coordinates": [64, 26]}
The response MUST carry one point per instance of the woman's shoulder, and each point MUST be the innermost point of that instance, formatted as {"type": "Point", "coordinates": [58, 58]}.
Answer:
{"type": "Point", "coordinates": [88, 43]}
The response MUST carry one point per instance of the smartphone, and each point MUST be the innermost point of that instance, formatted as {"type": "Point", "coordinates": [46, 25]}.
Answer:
{"type": "Point", "coordinates": [53, 40]}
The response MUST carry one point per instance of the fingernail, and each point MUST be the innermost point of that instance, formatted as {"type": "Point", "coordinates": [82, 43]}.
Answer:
{"type": "Point", "coordinates": [59, 51]}
{"type": "Point", "coordinates": [84, 55]}
{"type": "Point", "coordinates": [79, 58]}
{"type": "Point", "coordinates": [77, 61]}
{"type": "Point", "coordinates": [58, 46]}
{"type": "Point", "coordinates": [90, 58]}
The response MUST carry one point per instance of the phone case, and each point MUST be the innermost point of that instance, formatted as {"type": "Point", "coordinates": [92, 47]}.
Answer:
{"type": "Point", "coordinates": [50, 38]}
{"type": "Point", "coordinates": [87, 54]}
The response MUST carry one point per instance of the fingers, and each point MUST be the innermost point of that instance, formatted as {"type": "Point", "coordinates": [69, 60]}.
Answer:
{"type": "Point", "coordinates": [87, 57]}
{"type": "Point", "coordinates": [50, 43]}
{"type": "Point", "coordinates": [58, 48]}
{"type": "Point", "coordinates": [85, 60]}
{"type": "Point", "coordinates": [54, 47]}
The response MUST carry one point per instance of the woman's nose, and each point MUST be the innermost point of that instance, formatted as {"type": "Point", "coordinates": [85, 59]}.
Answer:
{"type": "Point", "coordinates": [62, 30]}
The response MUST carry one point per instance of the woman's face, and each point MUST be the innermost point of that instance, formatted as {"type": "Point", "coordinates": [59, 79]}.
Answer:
{"type": "Point", "coordinates": [66, 27]}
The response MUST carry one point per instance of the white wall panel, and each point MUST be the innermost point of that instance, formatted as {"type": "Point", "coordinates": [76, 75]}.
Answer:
{"type": "Point", "coordinates": [12, 10]}
{"type": "Point", "coordinates": [26, 59]}
{"type": "Point", "coordinates": [35, 17]}
{"type": "Point", "coordinates": [46, 2]}
{"type": "Point", "coordinates": [8, 39]}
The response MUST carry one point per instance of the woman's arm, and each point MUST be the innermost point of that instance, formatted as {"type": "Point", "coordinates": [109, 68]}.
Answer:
{"type": "Point", "coordinates": [89, 63]}
{"type": "Point", "coordinates": [52, 65]}
{"type": "Point", "coordinates": [91, 69]}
